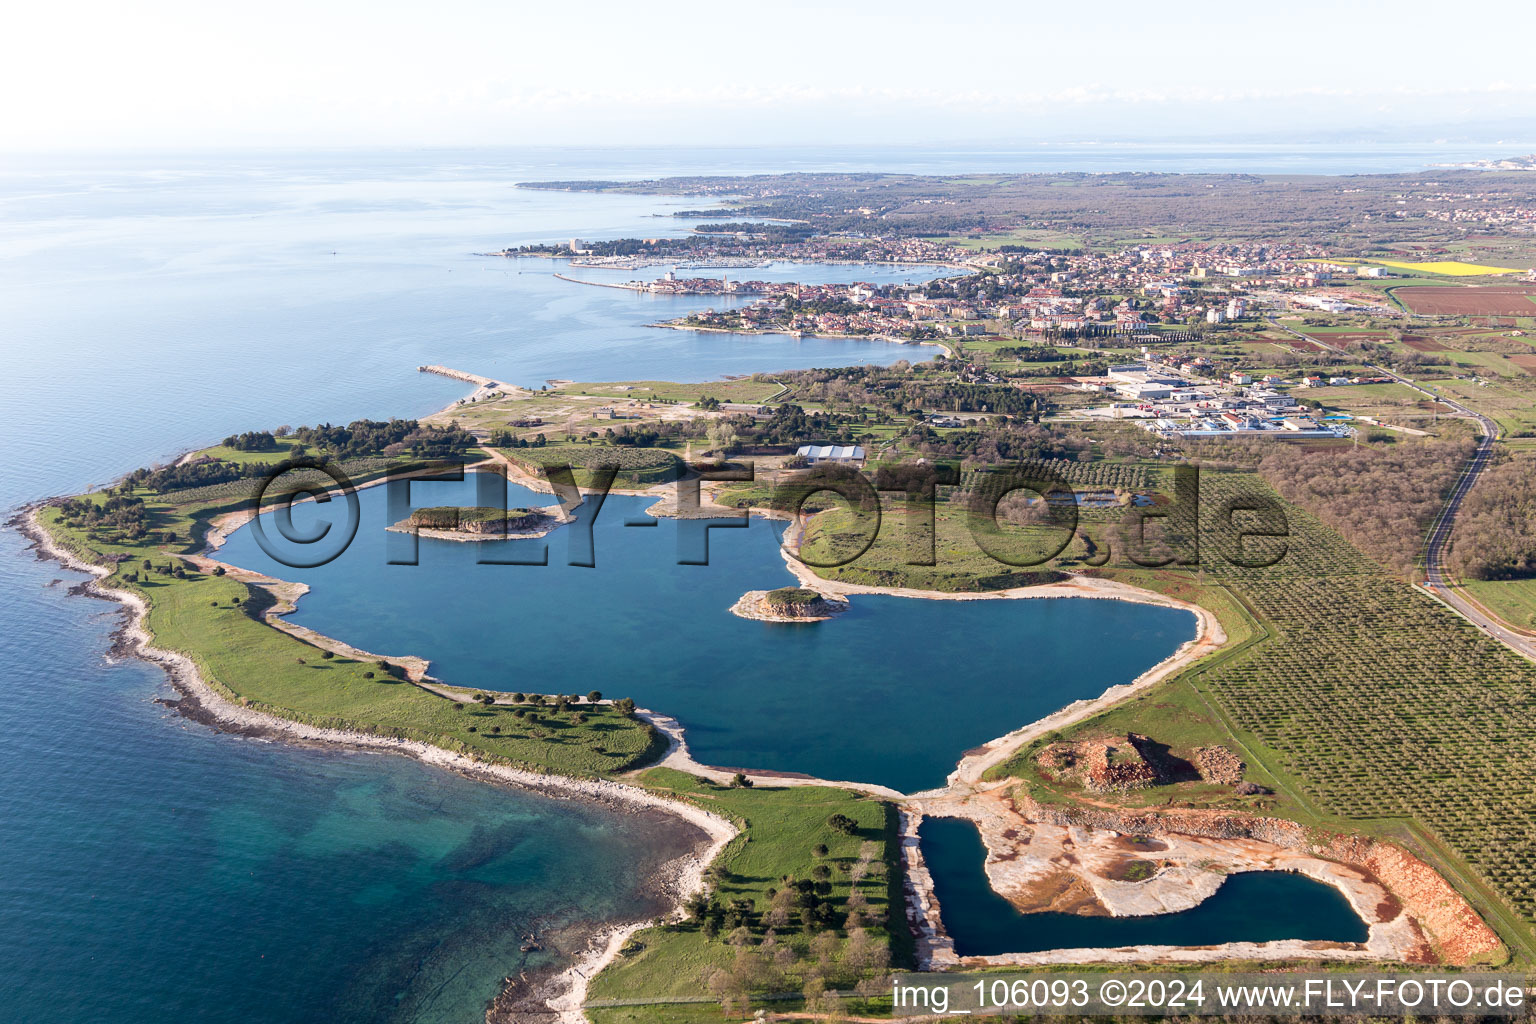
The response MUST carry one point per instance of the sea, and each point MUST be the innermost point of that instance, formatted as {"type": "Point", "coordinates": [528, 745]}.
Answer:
{"type": "Point", "coordinates": [152, 869]}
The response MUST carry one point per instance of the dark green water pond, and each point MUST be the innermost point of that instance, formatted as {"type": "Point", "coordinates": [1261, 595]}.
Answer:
{"type": "Point", "coordinates": [1255, 906]}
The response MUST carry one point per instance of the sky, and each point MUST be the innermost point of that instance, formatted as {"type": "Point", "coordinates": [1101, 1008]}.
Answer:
{"type": "Point", "coordinates": [91, 74]}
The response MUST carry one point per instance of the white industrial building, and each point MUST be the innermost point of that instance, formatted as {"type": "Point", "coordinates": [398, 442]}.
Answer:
{"type": "Point", "coordinates": [845, 454]}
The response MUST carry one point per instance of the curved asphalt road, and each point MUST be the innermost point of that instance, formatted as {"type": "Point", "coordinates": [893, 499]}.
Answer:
{"type": "Point", "coordinates": [1437, 579]}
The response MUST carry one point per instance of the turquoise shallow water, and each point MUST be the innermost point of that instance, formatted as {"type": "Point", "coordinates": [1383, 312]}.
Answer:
{"type": "Point", "coordinates": [892, 692]}
{"type": "Point", "coordinates": [1257, 906]}
{"type": "Point", "coordinates": [151, 869]}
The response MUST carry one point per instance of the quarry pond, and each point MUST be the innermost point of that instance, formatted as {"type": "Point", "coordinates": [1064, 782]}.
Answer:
{"type": "Point", "coordinates": [1251, 906]}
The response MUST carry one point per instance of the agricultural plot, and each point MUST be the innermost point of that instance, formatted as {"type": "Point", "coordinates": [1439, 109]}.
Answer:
{"type": "Point", "coordinates": [1083, 476]}
{"type": "Point", "coordinates": [1392, 403]}
{"type": "Point", "coordinates": [747, 389]}
{"type": "Point", "coordinates": [636, 466]}
{"type": "Point", "coordinates": [1367, 705]}
{"type": "Point", "coordinates": [1495, 301]}
{"type": "Point", "coordinates": [1382, 706]}
{"type": "Point", "coordinates": [1510, 401]}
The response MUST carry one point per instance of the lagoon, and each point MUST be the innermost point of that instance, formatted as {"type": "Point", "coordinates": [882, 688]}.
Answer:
{"type": "Point", "coordinates": [892, 692]}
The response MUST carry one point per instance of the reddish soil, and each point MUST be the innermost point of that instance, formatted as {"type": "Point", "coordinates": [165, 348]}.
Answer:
{"type": "Point", "coordinates": [1356, 336]}
{"type": "Point", "coordinates": [1525, 362]}
{"type": "Point", "coordinates": [1501, 300]}
{"type": "Point", "coordinates": [1422, 344]}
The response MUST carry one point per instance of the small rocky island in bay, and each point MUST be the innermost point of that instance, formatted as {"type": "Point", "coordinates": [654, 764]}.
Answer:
{"type": "Point", "coordinates": [479, 522]}
{"type": "Point", "coordinates": [788, 604]}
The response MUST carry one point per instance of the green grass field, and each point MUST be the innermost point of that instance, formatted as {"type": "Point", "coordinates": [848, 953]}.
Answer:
{"type": "Point", "coordinates": [782, 828]}
{"type": "Point", "coordinates": [1510, 402]}
{"type": "Point", "coordinates": [1514, 601]}
{"type": "Point", "coordinates": [744, 390]}
{"type": "Point", "coordinates": [285, 446]}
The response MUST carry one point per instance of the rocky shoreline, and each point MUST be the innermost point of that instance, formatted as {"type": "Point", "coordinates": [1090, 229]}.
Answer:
{"type": "Point", "coordinates": [560, 995]}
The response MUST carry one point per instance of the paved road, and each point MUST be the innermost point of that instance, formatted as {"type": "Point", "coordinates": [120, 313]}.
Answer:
{"type": "Point", "coordinates": [1437, 579]}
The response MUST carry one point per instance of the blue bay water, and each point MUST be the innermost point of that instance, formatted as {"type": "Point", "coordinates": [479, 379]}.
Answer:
{"type": "Point", "coordinates": [892, 692]}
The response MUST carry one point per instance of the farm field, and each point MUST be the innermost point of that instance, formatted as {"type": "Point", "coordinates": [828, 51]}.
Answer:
{"type": "Point", "coordinates": [1469, 301]}
{"type": "Point", "coordinates": [1446, 268]}
{"type": "Point", "coordinates": [1393, 403]}
{"type": "Point", "coordinates": [1496, 363]}
{"type": "Point", "coordinates": [1376, 709]}
{"type": "Point", "coordinates": [746, 389]}
{"type": "Point", "coordinates": [574, 408]}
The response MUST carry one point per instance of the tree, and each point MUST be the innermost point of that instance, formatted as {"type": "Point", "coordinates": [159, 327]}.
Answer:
{"type": "Point", "coordinates": [594, 696]}
{"type": "Point", "coordinates": [844, 824]}
{"type": "Point", "coordinates": [624, 706]}
{"type": "Point", "coordinates": [740, 781]}
{"type": "Point", "coordinates": [780, 908]}
{"type": "Point", "coordinates": [722, 437]}
{"type": "Point", "coordinates": [865, 953]}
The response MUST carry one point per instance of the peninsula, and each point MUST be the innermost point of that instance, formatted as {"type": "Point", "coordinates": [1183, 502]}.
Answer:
{"type": "Point", "coordinates": [1332, 715]}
